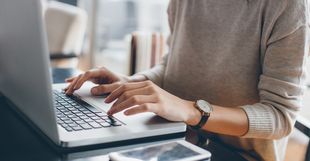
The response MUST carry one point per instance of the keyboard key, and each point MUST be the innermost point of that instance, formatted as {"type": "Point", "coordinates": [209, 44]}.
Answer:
{"type": "Point", "coordinates": [76, 119]}
{"type": "Point", "coordinates": [87, 112]}
{"type": "Point", "coordinates": [71, 116]}
{"type": "Point", "coordinates": [61, 115]}
{"type": "Point", "coordinates": [81, 108]}
{"type": "Point", "coordinates": [75, 111]}
{"type": "Point", "coordinates": [96, 118]}
{"type": "Point", "coordinates": [87, 119]}
{"type": "Point", "coordinates": [64, 110]}
{"type": "Point", "coordinates": [116, 124]}
{"type": "Point", "coordinates": [71, 108]}
{"type": "Point", "coordinates": [68, 121]}
{"type": "Point", "coordinates": [61, 108]}
{"type": "Point", "coordinates": [68, 113]}
{"type": "Point", "coordinates": [90, 115]}
{"type": "Point", "coordinates": [105, 124]}
{"type": "Point", "coordinates": [77, 128]}
{"type": "Point", "coordinates": [80, 122]}
{"type": "Point", "coordinates": [73, 124]}
{"type": "Point", "coordinates": [80, 114]}
{"type": "Point", "coordinates": [84, 117]}
{"type": "Point", "coordinates": [101, 114]}
{"type": "Point", "coordinates": [84, 109]}
{"type": "Point", "coordinates": [64, 118]}
{"type": "Point", "coordinates": [94, 124]}
{"type": "Point", "coordinates": [65, 103]}
{"type": "Point", "coordinates": [69, 129]}
{"type": "Point", "coordinates": [86, 126]}
{"type": "Point", "coordinates": [100, 121]}
{"type": "Point", "coordinates": [64, 125]}
{"type": "Point", "coordinates": [110, 120]}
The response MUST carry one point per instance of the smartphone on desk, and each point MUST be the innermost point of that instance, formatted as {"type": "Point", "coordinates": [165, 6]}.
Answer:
{"type": "Point", "coordinates": [170, 151]}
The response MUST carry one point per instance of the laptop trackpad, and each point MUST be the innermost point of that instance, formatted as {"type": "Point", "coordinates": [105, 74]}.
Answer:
{"type": "Point", "coordinates": [96, 101]}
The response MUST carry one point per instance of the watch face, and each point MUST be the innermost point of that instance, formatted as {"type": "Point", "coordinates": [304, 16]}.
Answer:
{"type": "Point", "coordinates": [204, 106]}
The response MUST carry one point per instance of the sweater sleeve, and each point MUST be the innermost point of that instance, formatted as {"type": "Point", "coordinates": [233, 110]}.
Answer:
{"type": "Point", "coordinates": [281, 83]}
{"type": "Point", "coordinates": [156, 73]}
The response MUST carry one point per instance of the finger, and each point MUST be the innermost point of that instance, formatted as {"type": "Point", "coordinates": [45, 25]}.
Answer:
{"type": "Point", "coordinates": [91, 74]}
{"type": "Point", "coordinates": [96, 80]}
{"type": "Point", "coordinates": [104, 89]}
{"type": "Point", "coordinates": [128, 86]}
{"type": "Point", "coordinates": [132, 101]}
{"type": "Point", "coordinates": [147, 107]}
{"type": "Point", "coordinates": [70, 79]}
{"type": "Point", "coordinates": [127, 94]}
{"type": "Point", "coordinates": [70, 90]}
{"type": "Point", "coordinates": [74, 78]}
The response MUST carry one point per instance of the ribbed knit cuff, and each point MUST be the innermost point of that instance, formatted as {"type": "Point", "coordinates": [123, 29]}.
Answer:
{"type": "Point", "coordinates": [261, 121]}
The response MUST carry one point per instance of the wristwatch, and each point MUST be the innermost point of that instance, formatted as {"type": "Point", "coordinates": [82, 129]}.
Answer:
{"type": "Point", "coordinates": [205, 109]}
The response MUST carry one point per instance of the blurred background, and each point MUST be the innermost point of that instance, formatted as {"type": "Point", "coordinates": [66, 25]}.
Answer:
{"type": "Point", "coordinates": [99, 32]}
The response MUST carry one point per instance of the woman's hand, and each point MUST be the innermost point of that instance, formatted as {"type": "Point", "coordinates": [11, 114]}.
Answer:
{"type": "Point", "coordinates": [107, 81]}
{"type": "Point", "coordinates": [145, 96]}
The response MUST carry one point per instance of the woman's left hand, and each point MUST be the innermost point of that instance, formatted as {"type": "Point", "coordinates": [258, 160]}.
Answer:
{"type": "Point", "coordinates": [145, 96]}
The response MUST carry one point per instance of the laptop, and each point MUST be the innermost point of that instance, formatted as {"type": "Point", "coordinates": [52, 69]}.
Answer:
{"type": "Point", "coordinates": [68, 122]}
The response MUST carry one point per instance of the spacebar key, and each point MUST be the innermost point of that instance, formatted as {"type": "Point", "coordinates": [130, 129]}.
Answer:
{"type": "Point", "coordinates": [91, 108]}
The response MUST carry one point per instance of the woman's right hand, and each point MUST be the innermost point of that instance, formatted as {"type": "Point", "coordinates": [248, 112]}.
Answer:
{"type": "Point", "coordinates": [107, 81]}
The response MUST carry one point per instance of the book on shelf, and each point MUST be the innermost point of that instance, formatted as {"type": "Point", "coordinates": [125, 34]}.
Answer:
{"type": "Point", "coordinates": [146, 50]}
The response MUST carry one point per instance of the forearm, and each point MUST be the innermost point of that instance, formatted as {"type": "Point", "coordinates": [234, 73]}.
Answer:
{"type": "Point", "coordinates": [223, 120]}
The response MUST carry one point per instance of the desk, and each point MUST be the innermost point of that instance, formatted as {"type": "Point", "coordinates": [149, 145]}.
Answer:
{"type": "Point", "coordinates": [18, 142]}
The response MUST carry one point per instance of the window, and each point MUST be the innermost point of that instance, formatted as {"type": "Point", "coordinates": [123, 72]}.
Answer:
{"type": "Point", "coordinates": [114, 20]}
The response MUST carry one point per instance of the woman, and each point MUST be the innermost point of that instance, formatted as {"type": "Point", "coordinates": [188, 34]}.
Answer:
{"type": "Point", "coordinates": [244, 60]}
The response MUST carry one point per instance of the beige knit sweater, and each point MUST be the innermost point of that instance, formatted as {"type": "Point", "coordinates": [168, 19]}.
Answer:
{"type": "Point", "coordinates": [240, 53]}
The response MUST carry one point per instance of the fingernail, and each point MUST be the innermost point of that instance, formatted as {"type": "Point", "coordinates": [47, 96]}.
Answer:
{"type": "Point", "coordinates": [106, 100]}
{"type": "Point", "coordinates": [109, 112]}
{"type": "Point", "coordinates": [95, 90]}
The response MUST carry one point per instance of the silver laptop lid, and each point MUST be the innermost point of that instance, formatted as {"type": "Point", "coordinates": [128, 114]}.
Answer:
{"type": "Point", "coordinates": [24, 65]}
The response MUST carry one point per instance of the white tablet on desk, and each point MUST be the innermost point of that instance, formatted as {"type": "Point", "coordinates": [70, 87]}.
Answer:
{"type": "Point", "coordinates": [169, 151]}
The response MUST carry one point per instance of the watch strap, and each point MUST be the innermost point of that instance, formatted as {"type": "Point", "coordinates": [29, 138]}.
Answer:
{"type": "Point", "coordinates": [204, 115]}
{"type": "Point", "coordinates": [202, 122]}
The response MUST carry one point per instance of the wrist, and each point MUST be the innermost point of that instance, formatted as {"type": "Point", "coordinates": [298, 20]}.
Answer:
{"type": "Point", "coordinates": [136, 78]}
{"type": "Point", "coordinates": [193, 115]}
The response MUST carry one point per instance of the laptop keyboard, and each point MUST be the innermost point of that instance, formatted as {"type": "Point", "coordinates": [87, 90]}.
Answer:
{"type": "Point", "coordinates": [73, 114]}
